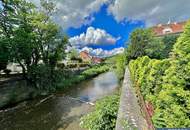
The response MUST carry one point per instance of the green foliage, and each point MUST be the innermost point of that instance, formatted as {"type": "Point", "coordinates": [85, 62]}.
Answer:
{"type": "Point", "coordinates": [4, 56]}
{"type": "Point", "coordinates": [144, 43]}
{"type": "Point", "coordinates": [148, 73]}
{"type": "Point", "coordinates": [169, 41]}
{"type": "Point", "coordinates": [29, 36]}
{"type": "Point", "coordinates": [120, 66]}
{"type": "Point", "coordinates": [73, 54]}
{"type": "Point", "coordinates": [165, 83]}
{"type": "Point", "coordinates": [87, 74]}
{"type": "Point", "coordinates": [118, 62]}
{"type": "Point", "coordinates": [49, 80]}
{"type": "Point", "coordinates": [104, 116]}
{"type": "Point", "coordinates": [155, 49]}
{"type": "Point", "coordinates": [138, 41]}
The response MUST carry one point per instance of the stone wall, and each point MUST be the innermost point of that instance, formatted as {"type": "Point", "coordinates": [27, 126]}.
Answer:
{"type": "Point", "coordinates": [130, 116]}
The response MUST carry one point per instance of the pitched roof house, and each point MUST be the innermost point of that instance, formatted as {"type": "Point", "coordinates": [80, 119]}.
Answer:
{"type": "Point", "coordinates": [170, 28]}
{"type": "Point", "coordinates": [85, 56]}
{"type": "Point", "coordinates": [96, 60]}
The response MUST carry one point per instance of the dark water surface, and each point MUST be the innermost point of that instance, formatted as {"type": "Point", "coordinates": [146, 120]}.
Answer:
{"type": "Point", "coordinates": [61, 111]}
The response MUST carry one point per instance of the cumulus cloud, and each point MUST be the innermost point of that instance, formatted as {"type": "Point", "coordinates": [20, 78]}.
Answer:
{"type": "Point", "coordinates": [102, 53]}
{"type": "Point", "coordinates": [92, 37]}
{"type": "Point", "coordinates": [151, 11]}
{"type": "Point", "coordinates": [74, 13]}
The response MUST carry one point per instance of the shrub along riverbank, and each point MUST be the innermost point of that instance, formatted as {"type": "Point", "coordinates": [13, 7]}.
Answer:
{"type": "Point", "coordinates": [104, 116]}
{"type": "Point", "coordinates": [21, 91]}
{"type": "Point", "coordinates": [166, 84]}
{"type": "Point", "coordinates": [87, 74]}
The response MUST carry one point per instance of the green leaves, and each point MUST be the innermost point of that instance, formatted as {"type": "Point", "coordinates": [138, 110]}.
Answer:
{"type": "Point", "coordinates": [104, 116]}
{"type": "Point", "coordinates": [30, 37]}
{"type": "Point", "coordinates": [166, 83]}
{"type": "Point", "coordinates": [120, 66]}
{"type": "Point", "coordinates": [144, 43]}
{"type": "Point", "coordinates": [138, 41]}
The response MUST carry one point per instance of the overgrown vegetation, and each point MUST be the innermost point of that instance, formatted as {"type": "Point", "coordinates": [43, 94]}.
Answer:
{"type": "Point", "coordinates": [118, 62]}
{"type": "Point", "coordinates": [144, 43]}
{"type": "Point", "coordinates": [166, 83]}
{"type": "Point", "coordinates": [120, 66]}
{"type": "Point", "coordinates": [68, 81]}
{"type": "Point", "coordinates": [104, 116]}
{"type": "Point", "coordinates": [30, 38]}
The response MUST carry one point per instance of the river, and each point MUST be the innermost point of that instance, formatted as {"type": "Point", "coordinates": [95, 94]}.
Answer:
{"type": "Point", "coordinates": [61, 111]}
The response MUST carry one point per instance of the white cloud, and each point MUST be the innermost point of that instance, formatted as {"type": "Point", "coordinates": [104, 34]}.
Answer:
{"type": "Point", "coordinates": [74, 13]}
{"type": "Point", "coordinates": [103, 53]}
{"type": "Point", "coordinates": [92, 37]}
{"type": "Point", "coordinates": [151, 11]}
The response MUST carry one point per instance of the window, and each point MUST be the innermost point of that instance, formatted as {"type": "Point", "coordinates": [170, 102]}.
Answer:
{"type": "Point", "coordinates": [167, 30]}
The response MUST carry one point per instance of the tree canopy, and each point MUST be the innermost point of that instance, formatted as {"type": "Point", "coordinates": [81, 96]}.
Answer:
{"type": "Point", "coordinates": [144, 43]}
{"type": "Point", "coordinates": [30, 36]}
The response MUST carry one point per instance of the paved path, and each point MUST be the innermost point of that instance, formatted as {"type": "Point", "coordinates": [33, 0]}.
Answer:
{"type": "Point", "coordinates": [129, 111]}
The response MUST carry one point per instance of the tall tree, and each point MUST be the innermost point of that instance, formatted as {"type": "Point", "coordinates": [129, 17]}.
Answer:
{"type": "Point", "coordinates": [139, 39]}
{"type": "Point", "coordinates": [30, 35]}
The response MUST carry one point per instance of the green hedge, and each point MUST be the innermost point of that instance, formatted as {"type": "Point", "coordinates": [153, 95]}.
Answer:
{"type": "Point", "coordinates": [166, 84]}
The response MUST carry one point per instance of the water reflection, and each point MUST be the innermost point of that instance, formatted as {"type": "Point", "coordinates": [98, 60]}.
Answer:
{"type": "Point", "coordinates": [62, 111]}
{"type": "Point", "coordinates": [96, 88]}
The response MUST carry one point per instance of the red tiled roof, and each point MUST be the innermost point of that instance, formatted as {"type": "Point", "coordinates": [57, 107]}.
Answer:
{"type": "Point", "coordinates": [84, 55]}
{"type": "Point", "coordinates": [172, 28]}
{"type": "Point", "coordinates": [96, 60]}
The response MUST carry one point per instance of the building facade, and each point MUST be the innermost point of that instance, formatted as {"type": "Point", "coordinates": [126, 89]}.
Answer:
{"type": "Point", "coordinates": [170, 28]}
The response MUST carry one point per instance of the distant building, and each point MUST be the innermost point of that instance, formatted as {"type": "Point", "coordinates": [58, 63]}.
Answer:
{"type": "Point", "coordinates": [96, 60]}
{"type": "Point", "coordinates": [167, 29]}
{"type": "Point", "coordinates": [85, 56]}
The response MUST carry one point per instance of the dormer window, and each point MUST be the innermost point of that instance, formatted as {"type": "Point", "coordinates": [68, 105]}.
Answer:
{"type": "Point", "coordinates": [167, 30]}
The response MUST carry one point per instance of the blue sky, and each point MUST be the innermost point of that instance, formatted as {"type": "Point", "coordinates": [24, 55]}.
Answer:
{"type": "Point", "coordinates": [105, 21]}
{"type": "Point", "coordinates": [102, 27]}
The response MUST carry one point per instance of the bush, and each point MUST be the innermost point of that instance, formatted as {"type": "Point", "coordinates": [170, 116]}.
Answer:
{"type": "Point", "coordinates": [105, 115]}
{"type": "Point", "coordinates": [169, 42]}
{"type": "Point", "coordinates": [43, 77]}
{"type": "Point", "coordinates": [120, 66]}
{"type": "Point", "coordinates": [153, 77]}
{"type": "Point", "coordinates": [166, 84]}
{"type": "Point", "coordinates": [87, 74]}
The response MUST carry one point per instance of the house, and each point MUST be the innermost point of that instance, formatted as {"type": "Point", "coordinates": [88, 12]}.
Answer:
{"type": "Point", "coordinates": [96, 60]}
{"type": "Point", "coordinates": [85, 56]}
{"type": "Point", "coordinates": [167, 29]}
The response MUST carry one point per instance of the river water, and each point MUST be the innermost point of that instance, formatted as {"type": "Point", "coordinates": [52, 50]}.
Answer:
{"type": "Point", "coordinates": [61, 111]}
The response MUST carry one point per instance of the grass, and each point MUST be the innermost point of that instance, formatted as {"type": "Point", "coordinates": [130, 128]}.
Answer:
{"type": "Point", "coordinates": [87, 74]}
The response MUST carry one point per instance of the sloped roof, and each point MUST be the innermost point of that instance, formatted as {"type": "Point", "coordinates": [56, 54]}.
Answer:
{"type": "Point", "coordinates": [85, 54]}
{"type": "Point", "coordinates": [172, 28]}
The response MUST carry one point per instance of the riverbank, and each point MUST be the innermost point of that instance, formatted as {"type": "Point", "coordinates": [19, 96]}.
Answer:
{"type": "Point", "coordinates": [62, 110]}
{"type": "Point", "coordinates": [16, 92]}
